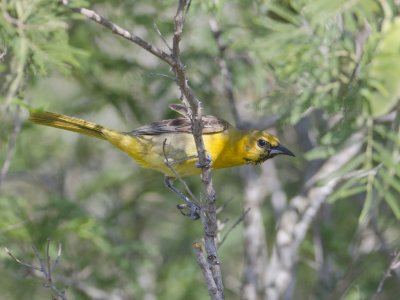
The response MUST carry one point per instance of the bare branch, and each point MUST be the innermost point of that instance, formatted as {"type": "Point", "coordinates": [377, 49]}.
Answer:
{"type": "Point", "coordinates": [255, 243]}
{"type": "Point", "coordinates": [174, 61]}
{"type": "Point", "coordinates": [162, 37]}
{"type": "Point", "coordinates": [179, 22]}
{"type": "Point", "coordinates": [90, 14]}
{"type": "Point", "coordinates": [21, 262]}
{"type": "Point", "coordinates": [394, 265]}
{"type": "Point", "coordinates": [208, 276]}
{"type": "Point", "coordinates": [209, 216]}
{"type": "Point", "coordinates": [170, 164]}
{"type": "Point", "coordinates": [48, 259]}
{"type": "Point", "coordinates": [57, 259]}
{"type": "Point", "coordinates": [45, 268]}
{"type": "Point", "coordinates": [238, 221]}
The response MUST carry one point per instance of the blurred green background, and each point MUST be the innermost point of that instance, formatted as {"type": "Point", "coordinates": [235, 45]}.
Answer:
{"type": "Point", "coordinates": [317, 72]}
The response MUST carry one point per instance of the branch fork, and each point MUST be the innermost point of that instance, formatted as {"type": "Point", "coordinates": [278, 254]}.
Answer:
{"type": "Point", "coordinates": [208, 215]}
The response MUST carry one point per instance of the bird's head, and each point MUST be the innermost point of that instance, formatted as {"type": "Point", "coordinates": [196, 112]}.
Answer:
{"type": "Point", "coordinates": [260, 145]}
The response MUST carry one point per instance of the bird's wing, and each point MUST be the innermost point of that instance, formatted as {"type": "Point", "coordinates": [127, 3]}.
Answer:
{"type": "Point", "coordinates": [211, 124]}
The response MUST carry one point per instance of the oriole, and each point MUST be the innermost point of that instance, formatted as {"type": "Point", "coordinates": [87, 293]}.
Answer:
{"type": "Point", "coordinates": [151, 145]}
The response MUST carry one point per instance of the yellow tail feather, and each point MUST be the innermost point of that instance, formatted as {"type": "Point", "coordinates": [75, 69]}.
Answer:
{"type": "Point", "coordinates": [67, 123]}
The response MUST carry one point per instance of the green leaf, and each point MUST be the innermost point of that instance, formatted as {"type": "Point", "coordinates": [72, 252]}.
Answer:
{"type": "Point", "coordinates": [383, 131]}
{"type": "Point", "coordinates": [350, 166]}
{"type": "Point", "coordinates": [368, 201]}
{"type": "Point", "coordinates": [343, 193]}
{"type": "Point", "coordinates": [320, 153]}
{"type": "Point", "coordinates": [391, 181]}
{"type": "Point", "coordinates": [381, 155]}
{"type": "Point", "coordinates": [384, 73]}
{"type": "Point", "coordinates": [392, 201]}
{"type": "Point", "coordinates": [394, 204]}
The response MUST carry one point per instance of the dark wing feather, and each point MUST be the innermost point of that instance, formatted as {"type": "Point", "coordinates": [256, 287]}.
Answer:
{"type": "Point", "coordinates": [210, 125]}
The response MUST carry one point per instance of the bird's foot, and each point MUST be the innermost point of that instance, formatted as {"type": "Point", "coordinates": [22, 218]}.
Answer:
{"type": "Point", "coordinates": [206, 164]}
{"type": "Point", "coordinates": [189, 210]}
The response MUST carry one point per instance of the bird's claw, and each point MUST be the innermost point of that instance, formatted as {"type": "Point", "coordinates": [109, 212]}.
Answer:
{"type": "Point", "coordinates": [192, 210]}
{"type": "Point", "coordinates": [189, 208]}
{"type": "Point", "coordinates": [207, 164]}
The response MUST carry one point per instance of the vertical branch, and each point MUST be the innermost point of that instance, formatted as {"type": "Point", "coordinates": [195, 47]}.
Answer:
{"type": "Point", "coordinates": [207, 273]}
{"type": "Point", "coordinates": [179, 22]}
{"type": "Point", "coordinates": [255, 243]}
{"type": "Point", "coordinates": [297, 218]}
{"type": "Point", "coordinates": [208, 214]}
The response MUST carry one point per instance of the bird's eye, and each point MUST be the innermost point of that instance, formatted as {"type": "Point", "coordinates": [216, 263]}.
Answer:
{"type": "Point", "coordinates": [261, 143]}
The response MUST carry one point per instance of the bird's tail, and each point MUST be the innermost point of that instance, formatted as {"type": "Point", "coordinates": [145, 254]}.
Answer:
{"type": "Point", "coordinates": [67, 123]}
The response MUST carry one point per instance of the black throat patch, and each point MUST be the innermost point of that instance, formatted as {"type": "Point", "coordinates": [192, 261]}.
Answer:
{"type": "Point", "coordinates": [259, 160]}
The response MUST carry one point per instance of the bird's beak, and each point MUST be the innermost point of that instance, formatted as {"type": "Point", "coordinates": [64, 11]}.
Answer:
{"type": "Point", "coordinates": [280, 150]}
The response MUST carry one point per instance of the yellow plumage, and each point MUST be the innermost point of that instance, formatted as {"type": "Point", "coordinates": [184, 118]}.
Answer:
{"type": "Point", "coordinates": [153, 144]}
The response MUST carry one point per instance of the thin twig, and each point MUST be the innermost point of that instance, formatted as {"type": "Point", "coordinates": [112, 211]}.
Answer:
{"type": "Point", "coordinates": [224, 205]}
{"type": "Point", "coordinates": [57, 259]}
{"type": "Point", "coordinates": [169, 164]}
{"type": "Point", "coordinates": [45, 268]}
{"type": "Point", "coordinates": [201, 260]}
{"type": "Point", "coordinates": [48, 259]}
{"type": "Point", "coordinates": [90, 14]}
{"type": "Point", "coordinates": [152, 74]}
{"type": "Point", "coordinates": [238, 221]}
{"type": "Point", "coordinates": [161, 36]}
{"type": "Point", "coordinates": [21, 262]}
{"type": "Point", "coordinates": [394, 264]}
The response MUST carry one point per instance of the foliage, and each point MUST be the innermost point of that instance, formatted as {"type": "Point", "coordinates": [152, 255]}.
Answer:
{"type": "Point", "coordinates": [326, 69]}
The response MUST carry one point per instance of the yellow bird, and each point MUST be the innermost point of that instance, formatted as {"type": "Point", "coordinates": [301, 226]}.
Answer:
{"type": "Point", "coordinates": [171, 140]}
